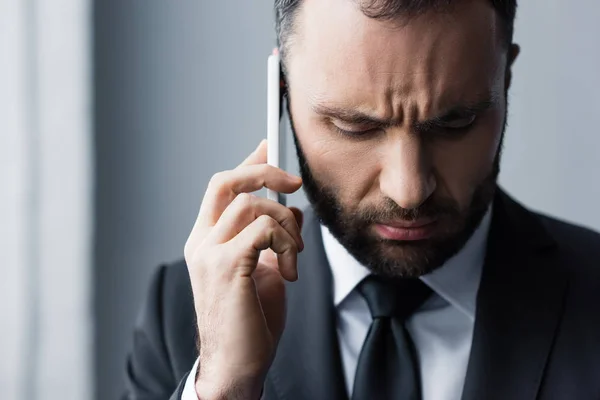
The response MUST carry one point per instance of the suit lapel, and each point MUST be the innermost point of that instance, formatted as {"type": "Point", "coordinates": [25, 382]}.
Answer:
{"type": "Point", "coordinates": [519, 304]}
{"type": "Point", "coordinates": [308, 364]}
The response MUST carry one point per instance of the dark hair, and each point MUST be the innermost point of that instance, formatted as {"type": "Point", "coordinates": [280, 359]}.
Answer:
{"type": "Point", "coordinates": [285, 13]}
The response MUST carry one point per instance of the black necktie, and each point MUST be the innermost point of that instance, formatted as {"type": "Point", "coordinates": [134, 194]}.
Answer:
{"type": "Point", "coordinates": [387, 365]}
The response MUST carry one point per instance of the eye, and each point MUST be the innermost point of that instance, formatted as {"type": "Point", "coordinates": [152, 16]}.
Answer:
{"type": "Point", "coordinates": [354, 133]}
{"type": "Point", "coordinates": [460, 123]}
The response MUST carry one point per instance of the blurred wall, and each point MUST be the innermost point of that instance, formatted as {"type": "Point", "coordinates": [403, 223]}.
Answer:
{"type": "Point", "coordinates": [553, 138]}
{"type": "Point", "coordinates": [15, 183]}
{"type": "Point", "coordinates": [45, 200]}
{"type": "Point", "coordinates": [180, 94]}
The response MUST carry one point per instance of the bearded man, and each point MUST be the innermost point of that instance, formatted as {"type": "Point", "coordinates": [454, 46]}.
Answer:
{"type": "Point", "coordinates": [412, 275]}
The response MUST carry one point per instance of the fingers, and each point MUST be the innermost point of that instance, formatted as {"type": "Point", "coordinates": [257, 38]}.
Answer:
{"type": "Point", "coordinates": [225, 186]}
{"type": "Point", "coordinates": [264, 233]}
{"type": "Point", "coordinates": [251, 175]}
{"type": "Point", "coordinates": [244, 209]}
{"type": "Point", "coordinates": [298, 215]}
{"type": "Point", "coordinates": [254, 177]}
{"type": "Point", "coordinates": [267, 257]}
{"type": "Point", "coordinates": [258, 156]}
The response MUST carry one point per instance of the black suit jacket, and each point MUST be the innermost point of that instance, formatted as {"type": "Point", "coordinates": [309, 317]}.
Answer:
{"type": "Point", "coordinates": [536, 336]}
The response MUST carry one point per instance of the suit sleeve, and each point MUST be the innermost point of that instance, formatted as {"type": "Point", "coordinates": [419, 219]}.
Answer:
{"type": "Point", "coordinates": [149, 373]}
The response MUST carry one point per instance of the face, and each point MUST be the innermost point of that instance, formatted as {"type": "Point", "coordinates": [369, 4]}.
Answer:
{"type": "Point", "coordinates": [398, 126]}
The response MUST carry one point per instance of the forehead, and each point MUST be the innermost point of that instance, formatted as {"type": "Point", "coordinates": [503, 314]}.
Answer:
{"type": "Point", "coordinates": [339, 53]}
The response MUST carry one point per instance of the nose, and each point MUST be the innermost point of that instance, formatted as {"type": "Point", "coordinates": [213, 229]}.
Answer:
{"type": "Point", "coordinates": [406, 174]}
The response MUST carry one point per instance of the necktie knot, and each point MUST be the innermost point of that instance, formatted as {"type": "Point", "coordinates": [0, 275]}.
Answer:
{"type": "Point", "coordinates": [393, 298]}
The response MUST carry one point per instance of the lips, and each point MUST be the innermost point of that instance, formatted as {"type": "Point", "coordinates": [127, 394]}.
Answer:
{"type": "Point", "coordinates": [409, 224]}
{"type": "Point", "coordinates": [407, 230]}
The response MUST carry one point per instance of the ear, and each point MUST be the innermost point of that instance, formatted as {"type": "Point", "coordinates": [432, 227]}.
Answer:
{"type": "Point", "coordinates": [513, 53]}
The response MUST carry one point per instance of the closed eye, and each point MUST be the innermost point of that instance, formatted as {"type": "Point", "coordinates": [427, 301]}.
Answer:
{"type": "Point", "coordinates": [355, 132]}
{"type": "Point", "coordinates": [460, 123]}
{"type": "Point", "coordinates": [451, 127]}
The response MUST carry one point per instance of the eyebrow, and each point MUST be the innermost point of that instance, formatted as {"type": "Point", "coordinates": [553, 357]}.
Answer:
{"type": "Point", "coordinates": [352, 116]}
{"type": "Point", "coordinates": [454, 113]}
{"type": "Point", "coordinates": [356, 117]}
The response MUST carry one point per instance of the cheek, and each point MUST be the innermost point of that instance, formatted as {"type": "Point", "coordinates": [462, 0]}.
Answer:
{"type": "Point", "coordinates": [461, 166]}
{"type": "Point", "coordinates": [349, 167]}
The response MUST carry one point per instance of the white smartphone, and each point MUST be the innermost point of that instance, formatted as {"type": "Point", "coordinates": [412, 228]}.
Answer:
{"type": "Point", "coordinates": [276, 148]}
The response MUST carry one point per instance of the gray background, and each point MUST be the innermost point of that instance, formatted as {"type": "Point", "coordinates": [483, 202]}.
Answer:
{"type": "Point", "coordinates": [180, 95]}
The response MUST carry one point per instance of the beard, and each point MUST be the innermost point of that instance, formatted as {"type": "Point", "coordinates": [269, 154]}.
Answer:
{"type": "Point", "coordinates": [353, 228]}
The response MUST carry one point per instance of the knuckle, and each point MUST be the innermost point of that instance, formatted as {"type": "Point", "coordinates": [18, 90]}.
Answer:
{"type": "Point", "coordinates": [267, 222]}
{"type": "Point", "coordinates": [218, 180]}
{"type": "Point", "coordinates": [244, 200]}
{"type": "Point", "coordinates": [290, 217]}
{"type": "Point", "coordinates": [292, 246]}
{"type": "Point", "coordinates": [265, 169]}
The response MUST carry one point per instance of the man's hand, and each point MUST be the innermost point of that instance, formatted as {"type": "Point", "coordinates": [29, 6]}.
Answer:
{"type": "Point", "coordinates": [238, 253]}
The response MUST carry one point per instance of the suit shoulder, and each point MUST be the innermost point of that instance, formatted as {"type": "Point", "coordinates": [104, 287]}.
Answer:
{"type": "Point", "coordinates": [579, 245]}
{"type": "Point", "coordinates": [170, 295]}
{"type": "Point", "coordinates": [178, 316]}
{"type": "Point", "coordinates": [176, 275]}
{"type": "Point", "coordinates": [176, 286]}
{"type": "Point", "coordinates": [578, 237]}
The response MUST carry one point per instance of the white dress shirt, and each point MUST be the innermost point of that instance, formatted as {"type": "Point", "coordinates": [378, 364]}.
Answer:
{"type": "Point", "coordinates": [441, 329]}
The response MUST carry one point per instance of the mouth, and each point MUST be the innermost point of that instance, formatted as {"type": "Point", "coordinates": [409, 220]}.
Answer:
{"type": "Point", "coordinates": [407, 230]}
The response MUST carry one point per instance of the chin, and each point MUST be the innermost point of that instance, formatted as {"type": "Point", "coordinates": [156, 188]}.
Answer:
{"type": "Point", "coordinates": [402, 259]}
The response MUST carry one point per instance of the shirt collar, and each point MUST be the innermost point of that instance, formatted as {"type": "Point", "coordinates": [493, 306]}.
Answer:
{"type": "Point", "coordinates": [457, 281]}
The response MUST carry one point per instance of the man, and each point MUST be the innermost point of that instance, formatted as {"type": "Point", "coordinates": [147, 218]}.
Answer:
{"type": "Point", "coordinates": [414, 276]}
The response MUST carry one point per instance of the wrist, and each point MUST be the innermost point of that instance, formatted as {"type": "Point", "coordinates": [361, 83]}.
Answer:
{"type": "Point", "coordinates": [228, 389]}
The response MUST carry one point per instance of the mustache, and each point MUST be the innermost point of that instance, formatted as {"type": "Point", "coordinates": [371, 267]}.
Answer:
{"type": "Point", "coordinates": [434, 207]}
